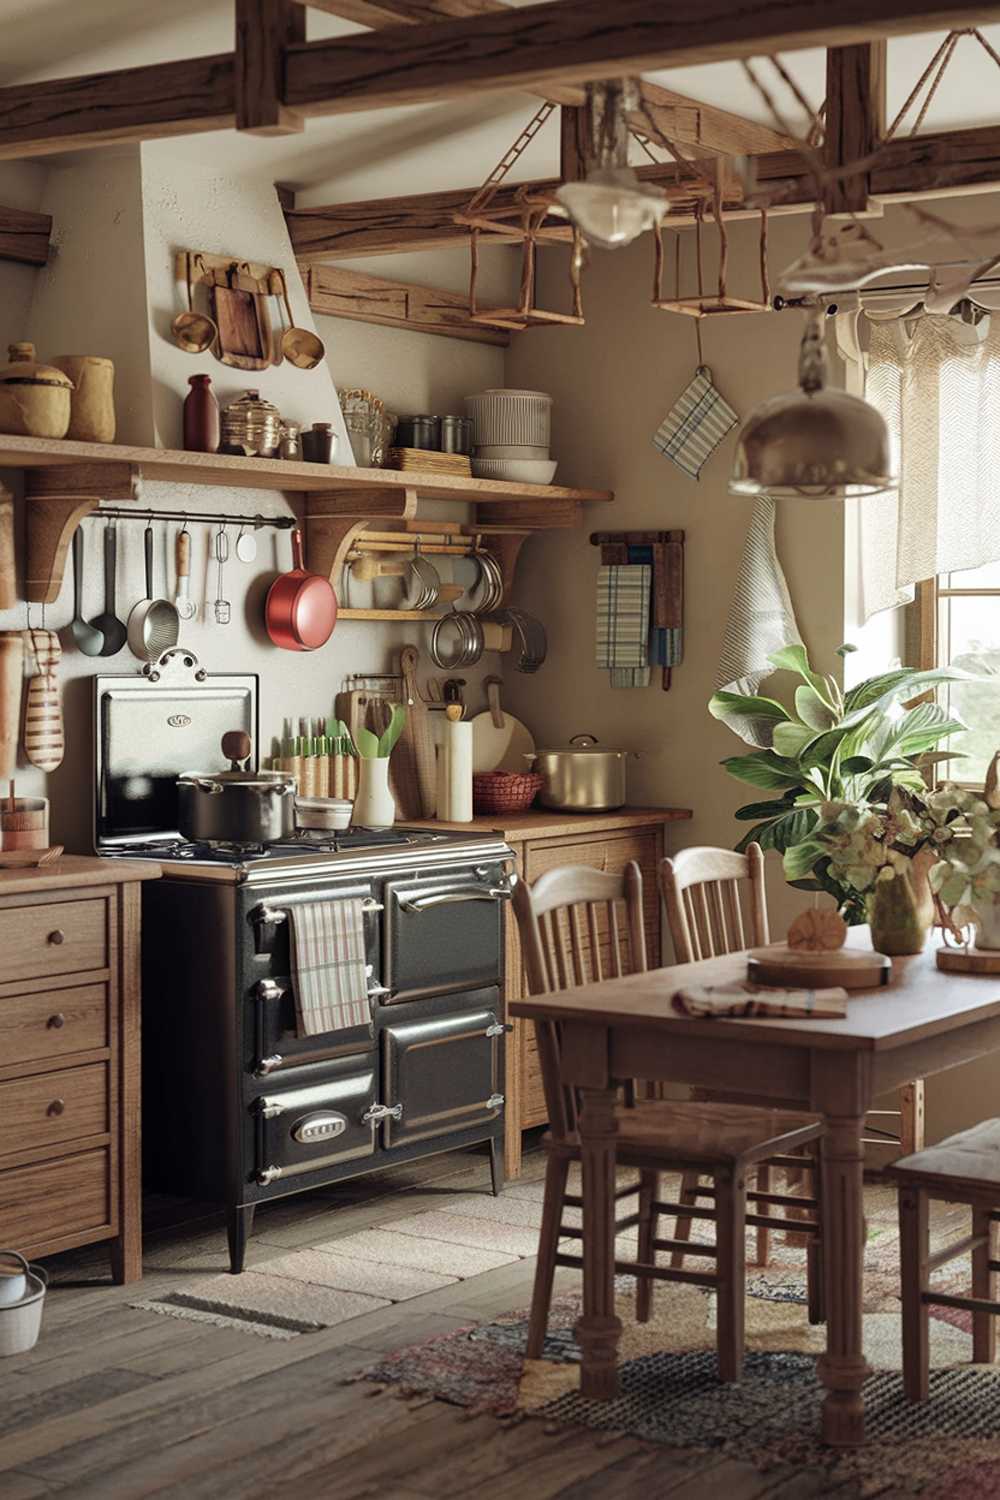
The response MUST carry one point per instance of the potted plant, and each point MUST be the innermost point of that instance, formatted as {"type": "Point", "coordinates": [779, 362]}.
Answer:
{"type": "Point", "coordinates": [831, 747]}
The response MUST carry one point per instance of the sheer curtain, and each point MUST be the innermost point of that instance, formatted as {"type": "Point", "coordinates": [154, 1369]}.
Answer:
{"type": "Point", "coordinates": [937, 383]}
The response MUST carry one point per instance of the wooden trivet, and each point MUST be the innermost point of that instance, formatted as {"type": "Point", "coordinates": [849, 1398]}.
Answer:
{"type": "Point", "coordinates": [969, 961]}
{"type": "Point", "coordinates": [429, 461]}
{"type": "Point", "coordinates": [854, 969]}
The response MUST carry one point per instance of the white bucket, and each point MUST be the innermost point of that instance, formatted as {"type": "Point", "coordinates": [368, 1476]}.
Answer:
{"type": "Point", "coordinates": [21, 1321]}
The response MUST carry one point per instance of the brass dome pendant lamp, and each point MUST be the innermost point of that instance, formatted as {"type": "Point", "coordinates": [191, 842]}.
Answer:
{"type": "Point", "coordinates": [814, 442]}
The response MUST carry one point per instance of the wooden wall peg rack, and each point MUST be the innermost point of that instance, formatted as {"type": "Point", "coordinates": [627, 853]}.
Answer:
{"type": "Point", "coordinates": [667, 551]}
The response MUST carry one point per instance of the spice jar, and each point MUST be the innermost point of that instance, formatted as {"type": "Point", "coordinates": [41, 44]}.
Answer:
{"type": "Point", "coordinates": [34, 398]}
{"type": "Point", "coordinates": [251, 426]}
{"type": "Point", "coordinates": [291, 441]}
{"type": "Point", "coordinates": [318, 443]}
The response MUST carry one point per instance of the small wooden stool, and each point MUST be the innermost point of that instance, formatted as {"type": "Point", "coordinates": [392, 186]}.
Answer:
{"type": "Point", "coordinates": [965, 1168]}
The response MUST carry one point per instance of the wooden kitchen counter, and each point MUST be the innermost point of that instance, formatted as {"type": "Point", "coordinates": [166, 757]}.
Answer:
{"type": "Point", "coordinates": [542, 840]}
{"type": "Point", "coordinates": [69, 1057]}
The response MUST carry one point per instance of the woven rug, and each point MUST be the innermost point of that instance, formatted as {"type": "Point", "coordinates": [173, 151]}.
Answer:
{"type": "Point", "coordinates": [670, 1392]}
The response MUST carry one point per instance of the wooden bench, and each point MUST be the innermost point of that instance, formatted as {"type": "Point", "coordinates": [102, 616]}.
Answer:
{"type": "Point", "coordinates": [965, 1168]}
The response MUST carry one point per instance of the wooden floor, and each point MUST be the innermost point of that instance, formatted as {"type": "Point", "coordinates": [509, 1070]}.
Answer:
{"type": "Point", "coordinates": [116, 1403]}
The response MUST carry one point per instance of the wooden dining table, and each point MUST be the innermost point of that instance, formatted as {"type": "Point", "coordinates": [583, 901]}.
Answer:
{"type": "Point", "coordinates": [922, 1022]}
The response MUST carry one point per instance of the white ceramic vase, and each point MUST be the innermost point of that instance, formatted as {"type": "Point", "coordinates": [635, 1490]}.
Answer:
{"type": "Point", "coordinates": [373, 805]}
{"type": "Point", "coordinates": [987, 913]}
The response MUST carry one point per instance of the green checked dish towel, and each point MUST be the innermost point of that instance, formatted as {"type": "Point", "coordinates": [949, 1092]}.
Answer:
{"type": "Point", "coordinates": [623, 595]}
{"type": "Point", "coordinates": [695, 425]}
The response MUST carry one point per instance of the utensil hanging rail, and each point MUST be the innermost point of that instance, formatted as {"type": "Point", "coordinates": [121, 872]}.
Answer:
{"type": "Point", "coordinates": [226, 518]}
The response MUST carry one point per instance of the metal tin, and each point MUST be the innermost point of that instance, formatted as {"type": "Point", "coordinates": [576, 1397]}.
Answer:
{"type": "Point", "coordinates": [582, 777]}
{"type": "Point", "coordinates": [250, 426]}
{"type": "Point", "coordinates": [291, 440]}
{"type": "Point", "coordinates": [456, 434]}
{"type": "Point", "coordinates": [419, 432]}
{"type": "Point", "coordinates": [318, 443]}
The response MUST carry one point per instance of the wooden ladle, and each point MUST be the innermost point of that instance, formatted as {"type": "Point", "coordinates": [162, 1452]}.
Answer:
{"type": "Point", "coordinates": [301, 348]}
{"type": "Point", "coordinates": [194, 332]}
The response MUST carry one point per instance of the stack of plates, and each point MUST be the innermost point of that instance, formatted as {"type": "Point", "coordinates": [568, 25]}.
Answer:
{"type": "Point", "coordinates": [511, 434]}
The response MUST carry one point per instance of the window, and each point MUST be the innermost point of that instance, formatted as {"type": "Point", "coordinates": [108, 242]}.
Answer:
{"type": "Point", "coordinates": [958, 619]}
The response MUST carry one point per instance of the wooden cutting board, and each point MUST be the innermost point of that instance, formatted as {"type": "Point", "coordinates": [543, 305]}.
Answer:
{"type": "Point", "coordinates": [852, 968]}
{"type": "Point", "coordinates": [11, 685]}
{"type": "Point", "coordinates": [416, 768]}
{"type": "Point", "coordinates": [499, 741]}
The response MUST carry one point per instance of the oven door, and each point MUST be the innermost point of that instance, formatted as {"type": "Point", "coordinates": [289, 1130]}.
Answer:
{"type": "Point", "coordinates": [299, 1130]}
{"type": "Point", "coordinates": [442, 1069]}
{"type": "Point", "coordinates": [443, 933]}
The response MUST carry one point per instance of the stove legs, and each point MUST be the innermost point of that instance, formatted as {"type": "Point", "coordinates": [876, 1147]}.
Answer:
{"type": "Point", "coordinates": [496, 1164]}
{"type": "Point", "coordinates": [239, 1227]}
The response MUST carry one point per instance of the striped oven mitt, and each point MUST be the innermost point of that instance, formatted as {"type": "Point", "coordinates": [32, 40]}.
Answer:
{"type": "Point", "coordinates": [44, 740]}
{"type": "Point", "coordinates": [695, 425]}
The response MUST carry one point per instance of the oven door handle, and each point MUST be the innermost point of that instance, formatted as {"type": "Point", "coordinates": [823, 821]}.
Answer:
{"type": "Point", "coordinates": [452, 898]}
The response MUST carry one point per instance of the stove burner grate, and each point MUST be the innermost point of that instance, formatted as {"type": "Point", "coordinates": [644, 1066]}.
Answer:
{"type": "Point", "coordinates": [303, 841]}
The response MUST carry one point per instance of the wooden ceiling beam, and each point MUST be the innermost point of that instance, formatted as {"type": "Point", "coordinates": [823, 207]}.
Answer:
{"type": "Point", "coordinates": [688, 122]}
{"type": "Point", "coordinates": [338, 293]}
{"type": "Point", "coordinates": [264, 28]}
{"type": "Point", "coordinates": [24, 236]}
{"type": "Point", "coordinates": [567, 41]}
{"type": "Point", "coordinates": [854, 121]}
{"type": "Point", "coordinates": [377, 14]}
{"type": "Point", "coordinates": [937, 165]}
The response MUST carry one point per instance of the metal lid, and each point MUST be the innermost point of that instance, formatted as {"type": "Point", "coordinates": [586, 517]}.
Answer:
{"type": "Point", "coordinates": [271, 780]}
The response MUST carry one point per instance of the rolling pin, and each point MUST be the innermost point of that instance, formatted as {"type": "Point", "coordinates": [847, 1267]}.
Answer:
{"type": "Point", "coordinates": [11, 682]}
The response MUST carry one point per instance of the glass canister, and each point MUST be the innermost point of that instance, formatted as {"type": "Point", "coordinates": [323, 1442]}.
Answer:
{"type": "Point", "coordinates": [291, 440]}
{"type": "Point", "coordinates": [364, 418]}
{"type": "Point", "coordinates": [456, 434]}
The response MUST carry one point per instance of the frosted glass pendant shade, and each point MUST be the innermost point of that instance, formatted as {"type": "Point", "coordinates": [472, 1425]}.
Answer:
{"type": "Point", "coordinates": [611, 208]}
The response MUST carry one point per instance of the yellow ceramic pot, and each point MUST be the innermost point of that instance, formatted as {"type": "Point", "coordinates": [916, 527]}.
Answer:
{"type": "Point", "coordinates": [92, 405]}
{"type": "Point", "coordinates": [34, 398]}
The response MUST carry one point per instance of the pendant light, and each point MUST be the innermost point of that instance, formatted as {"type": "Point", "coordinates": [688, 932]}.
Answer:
{"type": "Point", "coordinates": [813, 442]}
{"type": "Point", "coordinates": [611, 207]}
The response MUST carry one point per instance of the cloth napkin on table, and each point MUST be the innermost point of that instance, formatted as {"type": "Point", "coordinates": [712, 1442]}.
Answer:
{"type": "Point", "coordinates": [761, 620]}
{"type": "Point", "coordinates": [329, 973]}
{"type": "Point", "coordinates": [753, 1000]}
{"type": "Point", "coordinates": [623, 595]}
{"type": "Point", "coordinates": [696, 424]}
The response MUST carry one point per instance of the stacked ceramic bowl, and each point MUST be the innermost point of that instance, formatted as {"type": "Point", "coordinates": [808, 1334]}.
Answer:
{"type": "Point", "coordinates": [511, 431]}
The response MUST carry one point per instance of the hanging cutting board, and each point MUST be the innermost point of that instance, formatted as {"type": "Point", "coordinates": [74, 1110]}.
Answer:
{"type": "Point", "coordinates": [44, 738]}
{"type": "Point", "coordinates": [11, 684]}
{"type": "Point", "coordinates": [499, 741]}
{"type": "Point", "coordinates": [240, 316]}
{"type": "Point", "coordinates": [414, 760]}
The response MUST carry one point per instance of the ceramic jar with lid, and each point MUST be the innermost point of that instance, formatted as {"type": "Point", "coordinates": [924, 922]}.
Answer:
{"type": "Point", "coordinates": [92, 404]}
{"type": "Point", "coordinates": [34, 398]}
{"type": "Point", "coordinates": [251, 426]}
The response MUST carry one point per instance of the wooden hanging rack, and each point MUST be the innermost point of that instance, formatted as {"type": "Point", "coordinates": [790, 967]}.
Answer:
{"type": "Point", "coordinates": [668, 581]}
{"type": "Point", "coordinates": [702, 306]}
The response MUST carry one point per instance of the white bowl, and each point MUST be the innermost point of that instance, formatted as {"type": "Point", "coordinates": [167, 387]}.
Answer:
{"type": "Point", "coordinates": [516, 471]}
{"type": "Point", "coordinates": [323, 812]}
{"type": "Point", "coordinates": [511, 450]}
{"type": "Point", "coordinates": [510, 417]}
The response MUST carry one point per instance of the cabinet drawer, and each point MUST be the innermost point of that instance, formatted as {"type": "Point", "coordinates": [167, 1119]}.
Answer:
{"type": "Point", "coordinates": [59, 937]}
{"type": "Point", "coordinates": [55, 1199]}
{"type": "Point", "coordinates": [68, 1105]}
{"type": "Point", "coordinates": [35, 1028]}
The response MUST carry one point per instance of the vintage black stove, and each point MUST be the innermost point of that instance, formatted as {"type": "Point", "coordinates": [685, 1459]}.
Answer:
{"type": "Point", "coordinates": [237, 1108]}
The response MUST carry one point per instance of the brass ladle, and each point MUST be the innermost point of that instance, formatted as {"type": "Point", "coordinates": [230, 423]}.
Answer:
{"type": "Point", "coordinates": [301, 348]}
{"type": "Point", "coordinates": [193, 332]}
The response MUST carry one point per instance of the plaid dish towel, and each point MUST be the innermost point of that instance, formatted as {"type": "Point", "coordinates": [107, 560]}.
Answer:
{"type": "Point", "coordinates": [623, 592]}
{"type": "Point", "coordinates": [754, 1000]}
{"type": "Point", "coordinates": [695, 425]}
{"type": "Point", "coordinates": [329, 976]}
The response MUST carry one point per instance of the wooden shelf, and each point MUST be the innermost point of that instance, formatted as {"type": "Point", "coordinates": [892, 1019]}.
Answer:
{"type": "Point", "coordinates": [67, 480]}
{"type": "Point", "coordinates": [230, 471]}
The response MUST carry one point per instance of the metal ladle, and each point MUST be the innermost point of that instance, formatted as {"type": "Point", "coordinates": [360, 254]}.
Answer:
{"type": "Point", "coordinates": [193, 332]}
{"type": "Point", "coordinates": [301, 348]}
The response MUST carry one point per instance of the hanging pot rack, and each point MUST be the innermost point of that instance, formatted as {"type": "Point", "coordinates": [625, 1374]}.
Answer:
{"type": "Point", "coordinates": [213, 517]}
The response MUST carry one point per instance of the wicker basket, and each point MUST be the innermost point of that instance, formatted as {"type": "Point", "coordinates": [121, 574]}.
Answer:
{"type": "Point", "coordinates": [504, 791]}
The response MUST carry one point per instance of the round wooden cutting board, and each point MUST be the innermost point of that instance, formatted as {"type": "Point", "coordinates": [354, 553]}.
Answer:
{"type": "Point", "coordinates": [851, 968]}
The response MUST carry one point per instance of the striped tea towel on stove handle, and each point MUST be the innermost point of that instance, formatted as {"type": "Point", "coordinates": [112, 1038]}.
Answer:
{"type": "Point", "coordinates": [329, 970]}
{"type": "Point", "coordinates": [696, 424]}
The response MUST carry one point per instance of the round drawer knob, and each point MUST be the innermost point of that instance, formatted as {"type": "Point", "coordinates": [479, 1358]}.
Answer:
{"type": "Point", "coordinates": [57, 937]}
{"type": "Point", "coordinates": [56, 1107]}
{"type": "Point", "coordinates": [56, 1022]}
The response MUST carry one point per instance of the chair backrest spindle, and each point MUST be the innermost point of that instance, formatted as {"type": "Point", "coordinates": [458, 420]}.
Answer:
{"type": "Point", "coordinates": [715, 901]}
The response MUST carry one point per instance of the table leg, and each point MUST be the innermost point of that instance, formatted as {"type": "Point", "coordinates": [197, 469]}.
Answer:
{"type": "Point", "coordinates": [842, 1369]}
{"type": "Point", "coordinates": [598, 1330]}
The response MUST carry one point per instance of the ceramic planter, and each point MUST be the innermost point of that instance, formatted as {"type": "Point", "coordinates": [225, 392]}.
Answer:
{"type": "Point", "coordinates": [898, 925]}
{"type": "Point", "coordinates": [373, 805]}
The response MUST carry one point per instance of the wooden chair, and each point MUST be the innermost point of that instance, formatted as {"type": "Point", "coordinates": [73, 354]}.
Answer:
{"type": "Point", "coordinates": [965, 1168]}
{"type": "Point", "coordinates": [716, 903]}
{"type": "Point", "coordinates": [572, 934]}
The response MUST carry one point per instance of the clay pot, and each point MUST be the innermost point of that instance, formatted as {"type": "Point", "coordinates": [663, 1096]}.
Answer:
{"type": "Point", "coordinates": [34, 398]}
{"type": "Point", "coordinates": [92, 405]}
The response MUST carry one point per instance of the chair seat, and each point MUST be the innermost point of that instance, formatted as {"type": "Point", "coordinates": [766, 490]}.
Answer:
{"type": "Point", "coordinates": [680, 1134]}
{"type": "Point", "coordinates": [966, 1162]}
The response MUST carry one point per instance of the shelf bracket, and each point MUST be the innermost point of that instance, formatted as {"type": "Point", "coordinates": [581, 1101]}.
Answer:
{"type": "Point", "coordinates": [58, 498]}
{"type": "Point", "coordinates": [328, 541]}
{"type": "Point", "coordinates": [368, 505]}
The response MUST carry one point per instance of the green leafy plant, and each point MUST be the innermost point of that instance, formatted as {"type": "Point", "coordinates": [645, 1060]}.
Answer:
{"type": "Point", "coordinates": [832, 747]}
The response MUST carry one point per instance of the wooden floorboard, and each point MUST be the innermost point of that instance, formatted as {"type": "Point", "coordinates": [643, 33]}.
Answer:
{"type": "Point", "coordinates": [124, 1403]}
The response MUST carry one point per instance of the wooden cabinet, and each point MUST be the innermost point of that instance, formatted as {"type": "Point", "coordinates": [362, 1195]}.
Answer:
{"type": "Point", "coordinates": [542, 841]}
{"type": "Point", "coordinates": [69, 1058]}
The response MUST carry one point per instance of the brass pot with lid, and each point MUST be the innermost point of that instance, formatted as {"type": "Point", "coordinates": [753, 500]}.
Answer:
{"type": "Point", "coordinates": [251, 426]}
{"type": "Point", "coordinates": [34, 398]}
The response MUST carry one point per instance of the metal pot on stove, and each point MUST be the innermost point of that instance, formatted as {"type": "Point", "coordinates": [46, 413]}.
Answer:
{"type": "Point", "coordinates": [236, 806]}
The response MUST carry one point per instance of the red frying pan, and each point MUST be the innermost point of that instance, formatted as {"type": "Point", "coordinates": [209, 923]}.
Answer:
{"type": "Point", "coordinates": [301, 607]}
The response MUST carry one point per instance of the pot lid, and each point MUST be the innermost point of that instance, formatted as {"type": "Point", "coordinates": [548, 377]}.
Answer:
{"type": "Point", "coordinates": [251, 404]}
{"type": "Point", "coordinates": [274, 780]}
{"type": "Point", "coordinates": [24, 369]}
{"type": "Point", "coordinates": [581, 744]}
